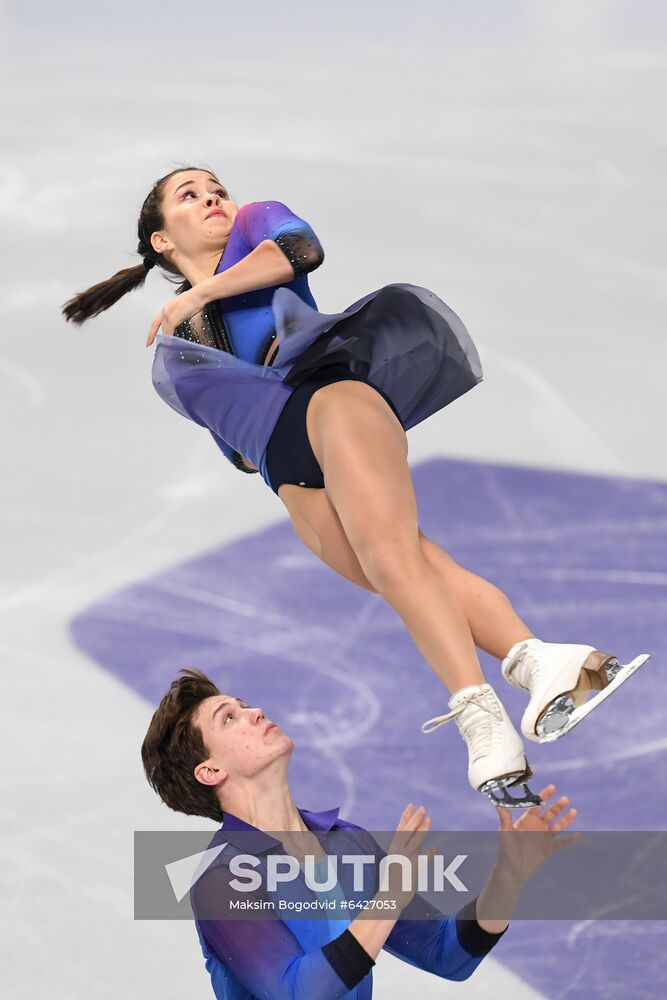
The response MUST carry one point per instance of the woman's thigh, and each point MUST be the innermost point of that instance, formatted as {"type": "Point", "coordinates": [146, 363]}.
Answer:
{"type": "Point", "coordinates": [362, 450]}
{"type": "Point", "coordinates": [318, 526]}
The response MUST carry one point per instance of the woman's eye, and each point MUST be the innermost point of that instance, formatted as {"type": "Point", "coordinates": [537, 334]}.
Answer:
{"type": "Point", "coordinates": [220, 191]}
{"type": "Point", "coordinates": [229, 715]}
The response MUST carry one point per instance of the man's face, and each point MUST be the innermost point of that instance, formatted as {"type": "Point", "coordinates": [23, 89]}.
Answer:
{"type": "Point", "coordinates": [241, 741]}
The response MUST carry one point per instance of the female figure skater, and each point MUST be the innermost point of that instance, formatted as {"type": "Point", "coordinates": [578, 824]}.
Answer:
{"type": "Point", "coordinates": [319, 405]}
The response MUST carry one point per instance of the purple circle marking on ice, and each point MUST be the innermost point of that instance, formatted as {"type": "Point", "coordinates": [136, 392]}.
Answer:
{"type": "Point", "coordinates": [583, 560]}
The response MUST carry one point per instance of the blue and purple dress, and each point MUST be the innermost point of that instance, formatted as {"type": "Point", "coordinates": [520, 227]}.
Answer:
{"type": "Point", "coordinates": [401, 338]}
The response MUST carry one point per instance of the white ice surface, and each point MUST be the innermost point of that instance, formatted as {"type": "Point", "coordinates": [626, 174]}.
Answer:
{"type": "Point", "coordinates": [510, 156]}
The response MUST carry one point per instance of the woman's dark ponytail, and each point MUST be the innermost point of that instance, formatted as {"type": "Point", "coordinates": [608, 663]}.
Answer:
{"type": "Point", "coordinates": [99, 297]}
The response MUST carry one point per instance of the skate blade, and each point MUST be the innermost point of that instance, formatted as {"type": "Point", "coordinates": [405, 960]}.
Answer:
{"type": "Point", "coordinates": [497, 790]}
{"type": "Point", "coordinates": [570, 709]}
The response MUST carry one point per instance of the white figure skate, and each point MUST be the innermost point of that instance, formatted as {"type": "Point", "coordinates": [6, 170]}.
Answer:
{"type": "Point", "coordinates": [561, 680]}
{"type": "Point", "coordinates": [496, 758]}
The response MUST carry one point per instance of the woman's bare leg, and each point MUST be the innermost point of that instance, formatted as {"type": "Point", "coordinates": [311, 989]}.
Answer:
{"type": "Point", "coordinates": [362, 450]}
{"type": "Point", "coordinates": [494, 625]}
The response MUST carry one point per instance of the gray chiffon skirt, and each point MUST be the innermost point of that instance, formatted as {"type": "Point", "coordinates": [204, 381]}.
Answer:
{"type": "Point", "coordinates": [402, 338]}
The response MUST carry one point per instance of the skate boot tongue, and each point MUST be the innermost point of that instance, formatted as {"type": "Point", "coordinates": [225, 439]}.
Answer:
{"type": "Point", "coordinates": [459, 702]}
{"type": "Point", "coordinates": [521, 665]}
{"type": "Point", "coordinates": [464, 694]}
{"type": "Point", "coordinates": [479, 709]}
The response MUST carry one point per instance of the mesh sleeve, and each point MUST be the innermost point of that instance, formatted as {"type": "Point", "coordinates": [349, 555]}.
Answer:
{"type": "Point", "coordinates": [271, 220]}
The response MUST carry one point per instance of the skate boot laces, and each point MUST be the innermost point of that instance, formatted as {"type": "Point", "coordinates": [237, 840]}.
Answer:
{"type": "Point", "coordinates": [477, 714]}
{"type": "Point", "coordinates": [481, 721]}
{"type": "Point", "coordinates": [525, 668]}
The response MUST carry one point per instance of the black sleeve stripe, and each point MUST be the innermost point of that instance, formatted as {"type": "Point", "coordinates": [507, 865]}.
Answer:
{"type": "Point", "coordinates": [349, 960]}
{"type": "Point", "coordinates": [473, 938]}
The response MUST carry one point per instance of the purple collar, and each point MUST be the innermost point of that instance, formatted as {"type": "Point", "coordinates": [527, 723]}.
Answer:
{"type": "Point", "coordinates": [261, 841]}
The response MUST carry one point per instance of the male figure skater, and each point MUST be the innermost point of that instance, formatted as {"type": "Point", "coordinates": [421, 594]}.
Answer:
{"type": "Point", "coordinates": [210, 754]}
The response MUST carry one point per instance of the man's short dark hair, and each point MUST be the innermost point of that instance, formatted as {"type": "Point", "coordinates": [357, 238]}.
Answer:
{"type": "Point", "coordinates": [174, 745]}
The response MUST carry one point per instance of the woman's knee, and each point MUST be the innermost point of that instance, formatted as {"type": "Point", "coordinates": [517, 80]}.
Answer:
{"type": "Point", "coordinates": [389, 562]}
{"type": "Point", "coordinates": [435, 553]}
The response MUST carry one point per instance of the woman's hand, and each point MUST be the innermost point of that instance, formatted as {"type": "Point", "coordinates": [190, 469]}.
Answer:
{"type": "Point", "coordinates": [180, 308]}
{"type": "Point", "coordinates": [523, 856]}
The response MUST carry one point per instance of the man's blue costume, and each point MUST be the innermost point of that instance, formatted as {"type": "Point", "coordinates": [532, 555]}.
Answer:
{"type": "Point", "coordinates": [276, 958]}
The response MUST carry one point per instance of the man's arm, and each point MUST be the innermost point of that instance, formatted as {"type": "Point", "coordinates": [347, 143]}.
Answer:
{"type": "Point", "coordinates": [265, 956]}
{"type": "Point", "coordinates": [500, 893]}
{"type": "Point", "coordinates": [267, 960]}
{"type": "Point", "coordinates": [454, 947]}
{"type": "Point", "coordinates": [447, 946]}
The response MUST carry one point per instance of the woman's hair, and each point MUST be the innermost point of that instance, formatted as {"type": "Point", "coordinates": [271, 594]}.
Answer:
{"type": "Point", "coordinates": [174, 745]}
{"type": "Point", "coordinates": [99, 297]}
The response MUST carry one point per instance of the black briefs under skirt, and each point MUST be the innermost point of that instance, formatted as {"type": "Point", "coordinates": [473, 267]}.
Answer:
{"type": "Point", "coordinates": [289, 456]}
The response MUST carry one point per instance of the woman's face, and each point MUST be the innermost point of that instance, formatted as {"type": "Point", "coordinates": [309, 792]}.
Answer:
{"type": "Point", "coordinates": [198, 215]}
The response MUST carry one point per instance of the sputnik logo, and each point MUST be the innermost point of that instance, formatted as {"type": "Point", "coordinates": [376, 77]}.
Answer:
{"type": "Point", "coordinates": [186, 871]}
